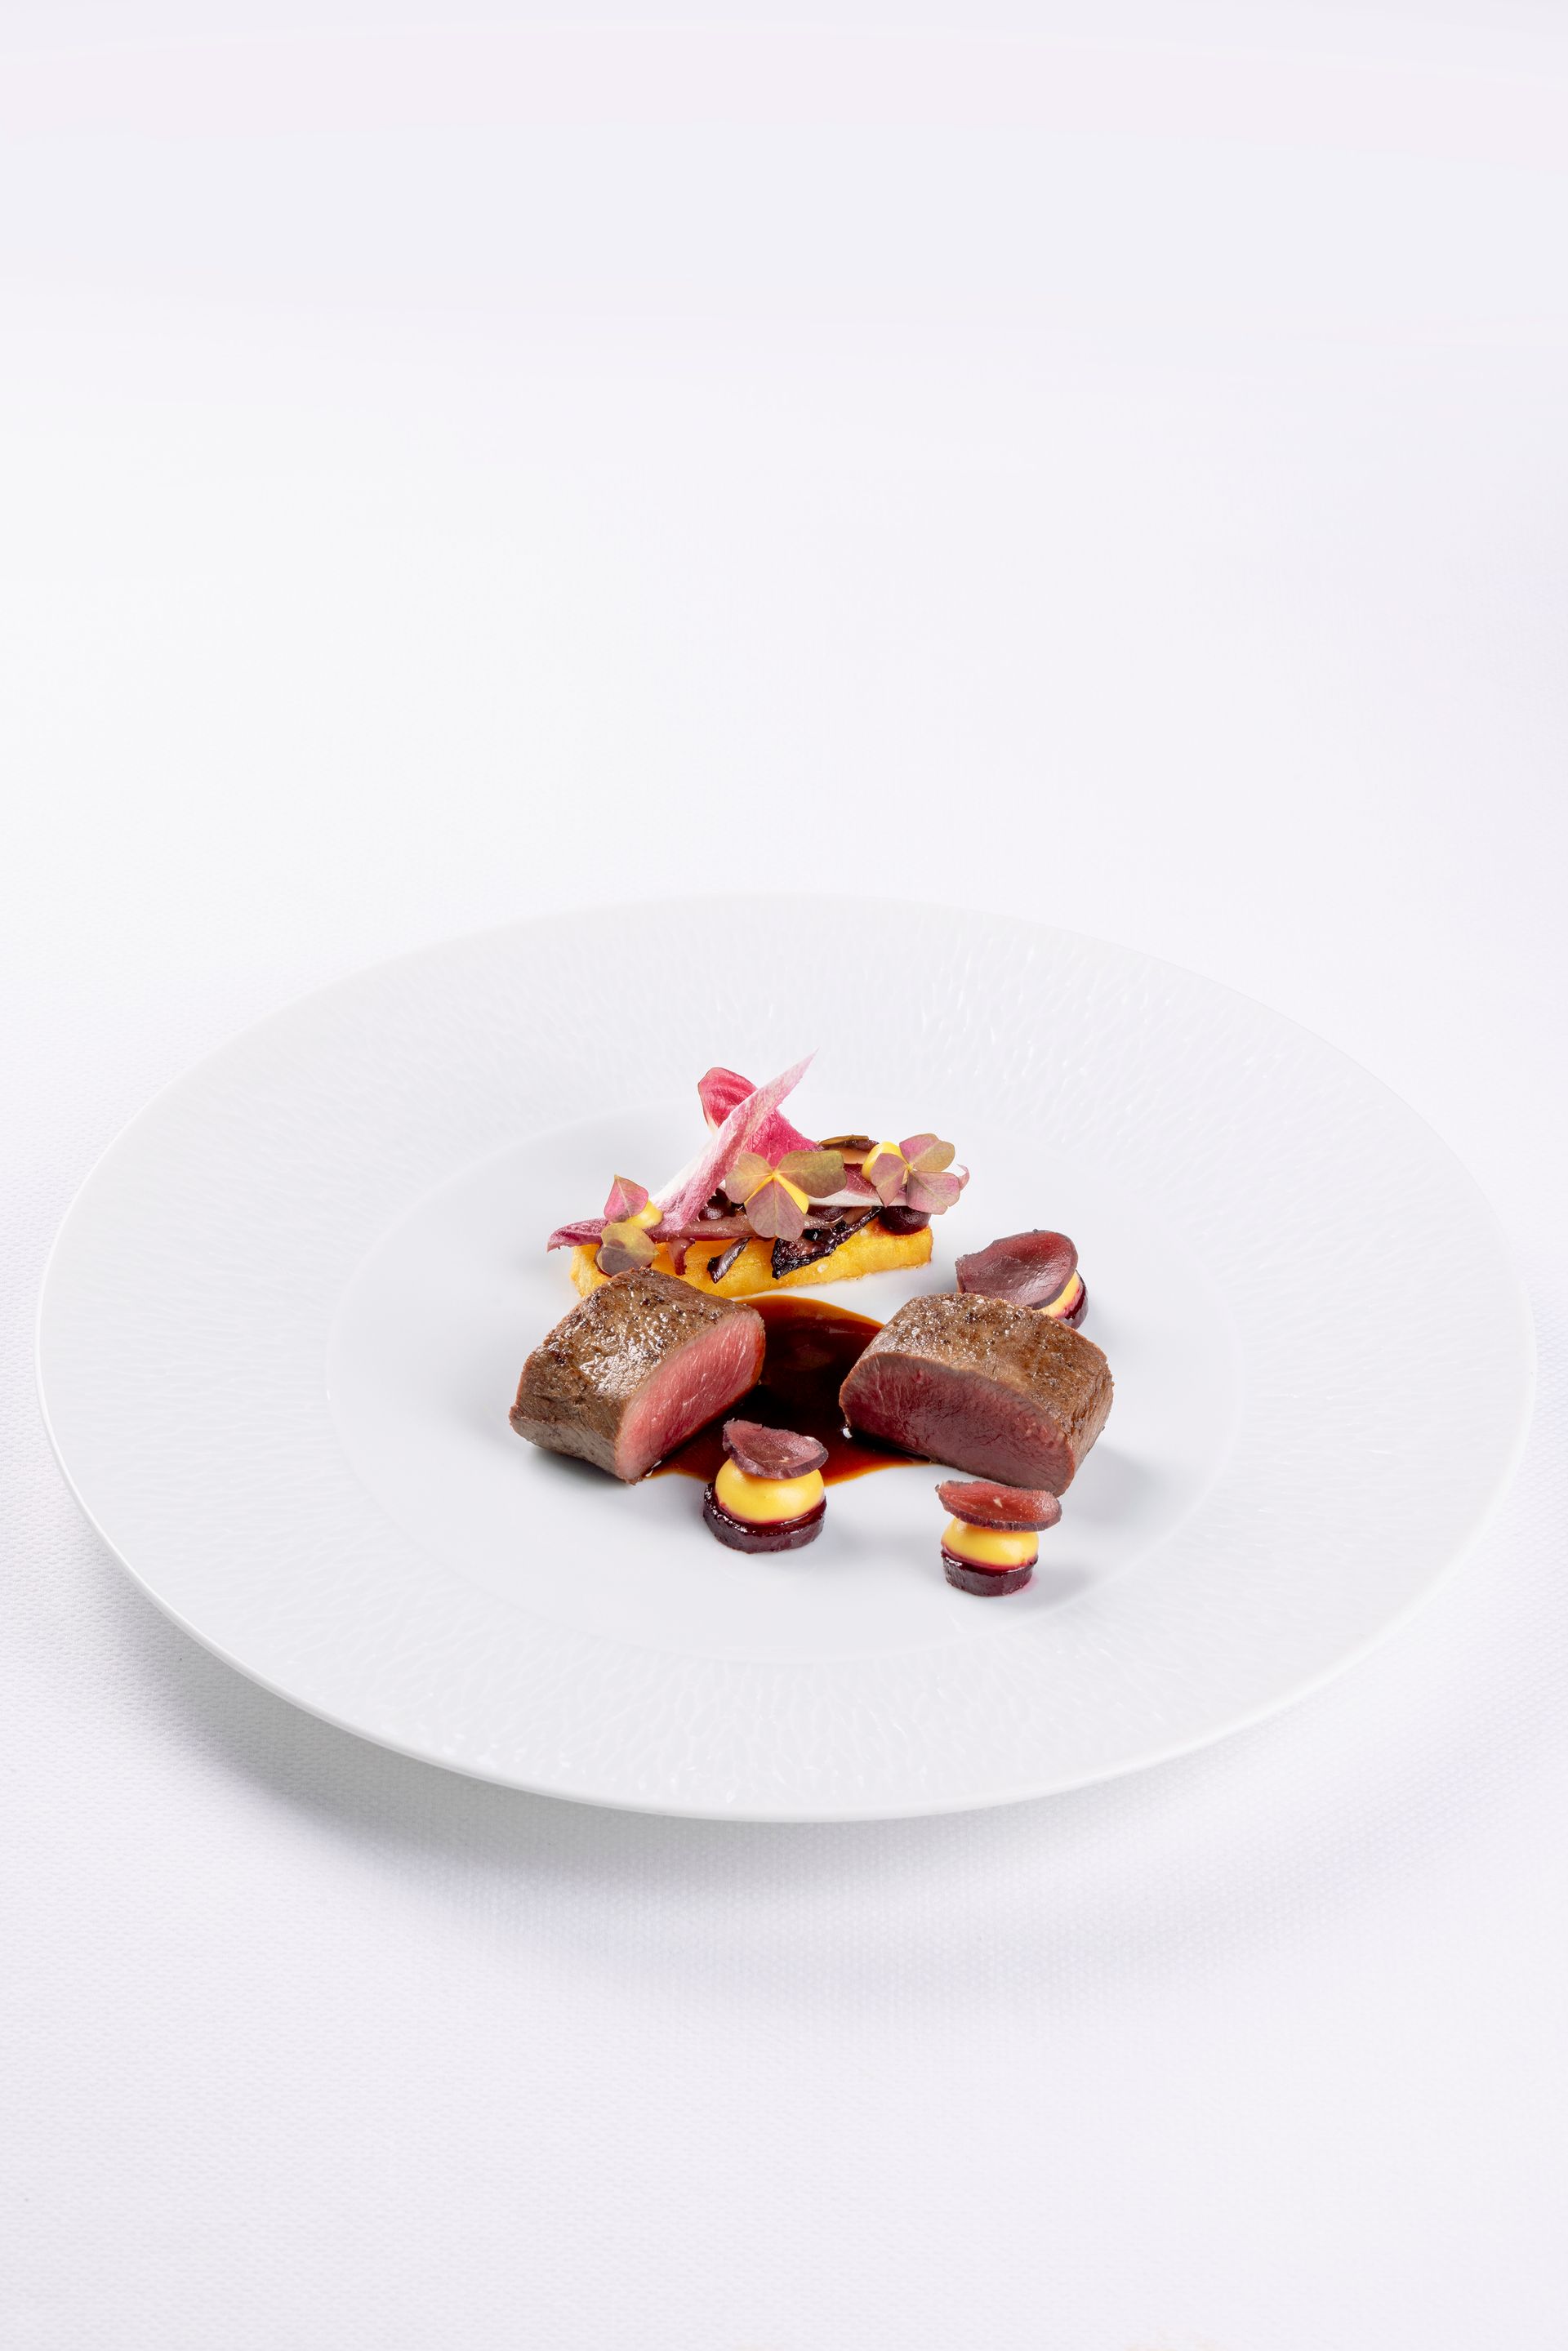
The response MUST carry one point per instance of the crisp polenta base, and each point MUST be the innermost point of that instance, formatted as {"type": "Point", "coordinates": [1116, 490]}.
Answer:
{"type": "Point", "coordinates": [873, 1250]}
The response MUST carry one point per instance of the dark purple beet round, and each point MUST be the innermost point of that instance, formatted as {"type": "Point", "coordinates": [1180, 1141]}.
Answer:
{"type": "Point", "coordinates": [1075, 1317]}
{"type": "Point", "coordinates": [986, 1582]}
{"type": "Point", "coordinates": [905, 1220]}
{"type": "Point", "coordinates": [784, 1534]}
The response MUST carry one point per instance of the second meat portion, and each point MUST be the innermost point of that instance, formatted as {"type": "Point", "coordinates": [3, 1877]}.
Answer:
{"type": "Point", "coordinates": [998, 1390]}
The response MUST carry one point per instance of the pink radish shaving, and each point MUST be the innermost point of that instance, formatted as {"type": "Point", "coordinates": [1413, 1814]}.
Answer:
{"type": "Point", "coordinates": [696, 1182]}
{"type": "Point", "coordinates": [722, 1090]}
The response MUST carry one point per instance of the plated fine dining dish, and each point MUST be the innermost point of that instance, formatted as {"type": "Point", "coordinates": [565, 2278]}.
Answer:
{"type": "Point", "coordinates": [991, 1377]}
{"type": "Point", "coordinates": [285, 1319]}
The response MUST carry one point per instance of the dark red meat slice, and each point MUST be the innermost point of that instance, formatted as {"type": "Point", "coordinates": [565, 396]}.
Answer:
{"type": "Point", "coordinates": [635, 1369]}
{"type": "Point", "coordinates": [771, 1452]}
{"type": "Point", "coordinates": [1026, 1268]}
{"type": "Point", "coordinates": [992, 1388]}
{"type": "Point", "coordinates": [1012, 1509]}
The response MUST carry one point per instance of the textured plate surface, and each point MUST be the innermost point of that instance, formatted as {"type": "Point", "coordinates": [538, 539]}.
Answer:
{"type": "Point", "coordinates": [285, 1317]}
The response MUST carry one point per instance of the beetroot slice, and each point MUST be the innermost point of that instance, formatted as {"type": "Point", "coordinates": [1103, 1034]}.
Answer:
{"type": "Point", "coordinates": [1026, 1268]}
{"type": "Point", "coordinates": [1011, 1510]}
{"type": "Point", "coordinates": [771, 1452]}
{"type": "Point", "coordinates": [985, 1583]}
{"type": "Point", "coordinates": [1073, 1318]}
{"type": "Point", "coordinates": [783, 1534]}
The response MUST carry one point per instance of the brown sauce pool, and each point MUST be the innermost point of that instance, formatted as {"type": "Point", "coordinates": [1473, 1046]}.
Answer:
{"type": "Point", "coordinates": [810, 1347]}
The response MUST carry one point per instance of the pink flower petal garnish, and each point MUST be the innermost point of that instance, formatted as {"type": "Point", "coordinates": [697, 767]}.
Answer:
{"type": "Point", "coordinates": [625, 1199]}
{"type": "Point", "coordinates": [685, 1193]}
{"type": "Point", "coordinates": [722, 1090]}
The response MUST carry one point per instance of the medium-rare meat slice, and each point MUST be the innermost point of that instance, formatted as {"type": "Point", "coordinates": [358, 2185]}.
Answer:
{"type": "Point", "coordinates": [638, 1365]}
{"type": "Point", "coordinates": [994, 1389]}
{"type": "Point", "coordinates": [1029, 1269]}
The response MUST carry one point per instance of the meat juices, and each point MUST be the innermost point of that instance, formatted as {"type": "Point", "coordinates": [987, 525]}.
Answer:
{"type": "Point", "coordinates": [635, 1369]}
{"type": "Point", "coordinates": [999, 1390]}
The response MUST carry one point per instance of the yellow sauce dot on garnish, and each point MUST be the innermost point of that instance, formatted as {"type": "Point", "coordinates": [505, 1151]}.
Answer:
{"type": "Point", "coordinates": [991, 1546]}
{"type": "Point", "coordinates": [647, 1214]}
{"type": "Point", "coordinates": [1065, 1300]}
{"type": "Point", "coordinates": [762, 1501]}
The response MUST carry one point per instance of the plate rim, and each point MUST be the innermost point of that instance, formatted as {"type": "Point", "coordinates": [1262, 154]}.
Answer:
{"type": "Point", "coordinates": [1457, 1555]}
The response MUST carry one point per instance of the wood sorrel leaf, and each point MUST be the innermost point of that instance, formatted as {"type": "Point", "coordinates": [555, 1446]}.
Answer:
{"type": "Point", "coordinates": [885, 1171]}
{"type": "Point", "coordinates": [777, 1210]}
{"type": "Point", "coordinates": [748, 1171]}
{"type": "Point", "coordinates": [625, 1248]}
{"type": "Point", "coordinates": [927, 1153]}
{"type": "Point", "coordinates": [625, 1199]}
{"type": "Point", "coordinates": [931, 1194]}
{"type": "Point", "coordinates": [818, 1174]}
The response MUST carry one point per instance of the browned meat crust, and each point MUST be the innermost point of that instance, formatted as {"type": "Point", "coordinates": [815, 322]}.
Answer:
{"type": "Point", "coordinates": [583, 1385]}
{"type": "Point", "coordinates": [998, 1390]}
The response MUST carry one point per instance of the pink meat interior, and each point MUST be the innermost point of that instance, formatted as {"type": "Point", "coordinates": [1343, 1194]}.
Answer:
{"type": "Point", "coordinates": [959, 1417]}
{"type": "Point", "coordinates": [692, 1386]}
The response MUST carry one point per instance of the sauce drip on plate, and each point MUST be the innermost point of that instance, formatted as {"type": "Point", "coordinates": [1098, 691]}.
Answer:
{"type": "Point", "coordinates": [810, 1347]}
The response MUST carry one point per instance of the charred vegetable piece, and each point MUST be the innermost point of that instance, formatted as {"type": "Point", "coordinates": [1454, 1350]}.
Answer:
{"type": "Point", "coordinates": [815, 1242]}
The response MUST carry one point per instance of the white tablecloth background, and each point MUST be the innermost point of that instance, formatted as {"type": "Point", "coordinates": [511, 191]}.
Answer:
{"type": "Point", "coordinates": [1110, 464]}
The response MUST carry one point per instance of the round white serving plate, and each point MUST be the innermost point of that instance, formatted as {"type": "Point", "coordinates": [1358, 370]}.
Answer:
{"type": "Point", "coordinates": [284, 1321]}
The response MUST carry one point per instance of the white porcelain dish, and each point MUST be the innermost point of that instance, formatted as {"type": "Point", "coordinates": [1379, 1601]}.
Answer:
{"type": "Point", "coordinates": [284, 1318]}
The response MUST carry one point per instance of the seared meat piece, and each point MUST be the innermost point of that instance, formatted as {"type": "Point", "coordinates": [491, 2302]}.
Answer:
{"type": "Point", "coordinates": [635, 1369]}
{"type": "Point", "coordinates": [992, 1388]}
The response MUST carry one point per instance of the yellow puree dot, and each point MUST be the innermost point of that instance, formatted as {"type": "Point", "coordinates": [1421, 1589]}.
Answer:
{"type": "Point", "coordinates": [991, 1546]}
{"type": "Point", "coordinates": [764, 1501]}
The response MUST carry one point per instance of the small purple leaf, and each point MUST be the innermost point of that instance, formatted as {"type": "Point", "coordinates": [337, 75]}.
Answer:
{"type": "Point", "coordinates": [818, 1174]}
{"type": "Point", "coordinates": [625, 1248]}
{"type": "Point", "coordinates": [927, 1153]}
{"type": "Point", "coordinates": [777, 1210]}
{"type": "Point", "coordinates": [748, 1171]}
{"type": "Point", "coordinates": [931, 1195]}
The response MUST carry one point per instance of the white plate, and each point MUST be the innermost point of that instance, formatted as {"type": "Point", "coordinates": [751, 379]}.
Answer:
{"type": "Point", "coordinates": [284, 1322]}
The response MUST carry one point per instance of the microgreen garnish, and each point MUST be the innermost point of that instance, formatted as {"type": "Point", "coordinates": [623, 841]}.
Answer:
{"type": "Point", "coordinates": [917, 1173]}
{"type": "Point", "coordinates": [777, 1210]}
{"type": "Point", "coordinates": [819, 1174]}
{"type": "Point", "coordinates": [626, 1199]}
{"type": "Point", "coordinates": [624, 1247]}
